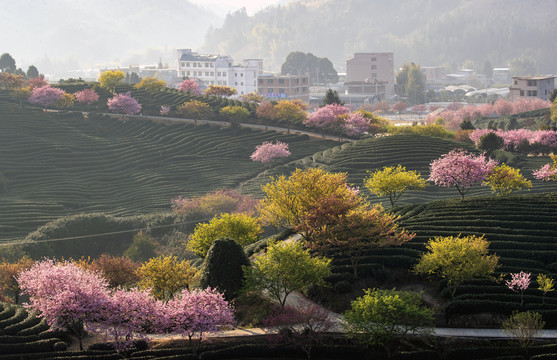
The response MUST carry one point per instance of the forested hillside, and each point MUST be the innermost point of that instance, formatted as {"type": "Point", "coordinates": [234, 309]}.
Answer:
{"type": "Point", "coordinates": [434, 32]}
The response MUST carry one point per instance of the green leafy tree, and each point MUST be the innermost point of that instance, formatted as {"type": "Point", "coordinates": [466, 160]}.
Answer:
{"type": "Point", "coordinates": [165, 275]}
{"type": "Point", "coordinates": [413, 81]}
{"type": "Point", "coordinates": [331, 97]}
{"type": "Point", "coordinates": [381, 317]}
{"type": "Point", "coordinates": [320, 70]}
{"type": "Point", "coordinates": [393, 182]}
{"type": "Point", "coordinates": [143, 247]}
{"type": "Point", "coordinates": [32, 72]}
{"type": "Point", "coordinates": [286, 267]}
{"type": "Point", "coordinates": [243, 228]}
{"type": "Point", "coordinates": [505, 179]}
{"type": "Point", "coordinates": [457, 259]}
{"type": "Point", "coordinates": [222, 268]}
{"type": "Point", "coordinates": [110, 79]}
{"type": "Point", "coordinates": [235, 114]}
{"type": "Point", "coordinates": [7, 63]}
{"type": "Point", "coordinates": [523, 326]}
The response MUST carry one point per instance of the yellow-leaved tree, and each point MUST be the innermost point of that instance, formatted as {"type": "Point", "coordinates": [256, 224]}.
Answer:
{"type": "Point", "coordinates": [110, 78]}
{"type": "Point", "coordinates": [243, 228]}
{"type": "Point", "coordinates": [166, 275]}
{"type": "Point", "coordinates": [393, 182]}
{"type": "Point", "coordinates": [505, 179]}
{"type": "Point", "coordinates": [457, 259]}
{"type": "Point", "coordinates": [150, 85]}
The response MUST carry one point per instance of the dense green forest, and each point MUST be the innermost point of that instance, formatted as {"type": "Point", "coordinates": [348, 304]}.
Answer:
{"type": "Point", "coordinates": [435, 32]}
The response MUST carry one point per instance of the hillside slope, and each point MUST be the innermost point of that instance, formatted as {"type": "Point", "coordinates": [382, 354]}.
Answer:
{"type": "Point", "coordinates": [54, 165]}
{"type": "Point", "coordinates": [415, 152]}
{"type": "Point", "coordinates": [425, 32]}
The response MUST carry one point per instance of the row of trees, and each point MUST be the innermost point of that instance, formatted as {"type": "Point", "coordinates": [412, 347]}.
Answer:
{"type": "Point", "coordinates": [8, 65]}
{"type": "Point", "coordinates": [76, 299]}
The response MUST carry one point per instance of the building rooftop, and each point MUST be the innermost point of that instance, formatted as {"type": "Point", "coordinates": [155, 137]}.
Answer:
{"type": "Point", "coordinates": [196, 57]}
{"type": "Point", "coordinates": [534, 77]}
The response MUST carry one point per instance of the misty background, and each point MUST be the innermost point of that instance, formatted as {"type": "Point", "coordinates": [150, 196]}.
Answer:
{"type": "Point", "coordinates": [62, 35]}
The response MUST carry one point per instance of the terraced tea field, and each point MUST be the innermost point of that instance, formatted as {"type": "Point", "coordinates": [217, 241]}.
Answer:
{"type": "Point", "coordinates": [415, 152]}
{"type": "Point", "coordinates": [522, 231]}
{"type": "Point", "coordinates": [52, 165]}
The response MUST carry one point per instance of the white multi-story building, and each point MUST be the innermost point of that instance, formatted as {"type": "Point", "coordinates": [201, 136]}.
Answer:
{"type": "Point", "coordinates": [219, 70]}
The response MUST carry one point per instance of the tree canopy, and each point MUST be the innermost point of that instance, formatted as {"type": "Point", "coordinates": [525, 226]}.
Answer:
{"type": "Point", "coordinates": [320, 70]}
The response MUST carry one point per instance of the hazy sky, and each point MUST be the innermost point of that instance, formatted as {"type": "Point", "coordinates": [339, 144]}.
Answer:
{"type": "Point", "coordinates": [222, 7]}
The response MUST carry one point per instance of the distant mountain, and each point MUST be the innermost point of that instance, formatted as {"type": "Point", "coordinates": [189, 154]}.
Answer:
{"type": "Point", "coordinates": [432, 32]}
{"type": "Point", "coordinates": [55, 34]}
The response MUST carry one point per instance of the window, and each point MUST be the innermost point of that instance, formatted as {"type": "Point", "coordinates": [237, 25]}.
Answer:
{"type": "Point", "coordinates": [532, 93]}
{"type": "Point", "coordinates": [235, 74]}
{"type": "Point", "coordinates": [206, 73]}
{"type": "Point", "coordinates": [235, 83]}
{"type": "Point", "coordinates": [198, 64]}
{"type": "Point", "coordinates": [270, 90]}
{"type": "Point", "coordinates": [241, 74]}
{"type": "Point", "coordinates": [516, 82]}
{"type": "Point", "coordinates": [281, 81]}
{"type": "Point", "coordinates": [297, 81]}
{"type": "Point", "coordinates": [281, 91]}
{"type": "Point", "coordinates": [373, 59]}
{"type": "Point", "coordinates": [224, 73]}
{"type": "Point", "coordinates": [521, 92]}
{"type": "Point", "coordinates": [532, 83]}
{"type": "Point", "coordinates": [212, 73]}
{"type": "Point", "coordinates": [183, 73]}
{"type": "Point", "coordinates": [260, 81]}
{"type": "Point", "coordinates": [187, 64]}
{"type": "Point", "coordinates": [211, 65]}
{"type": "Point", "coordinates": [206, 64]}
{"type": "Point", "coordinates": [194, 64]}
{"type": "Point", "coordinates": [373, 67]}
{"type": "Point", "coordinates": [218, 73]}
{"type": "Point", "coordinates": [270, 81]}
{"type": "Point", "coordinates": [224, 82]}
{"type": "Point", "coordinates": [187, 73]}
{"type": "Point", "coordinates": [374, 75]}
{"type": "Point", "coordinates": [241, 84]}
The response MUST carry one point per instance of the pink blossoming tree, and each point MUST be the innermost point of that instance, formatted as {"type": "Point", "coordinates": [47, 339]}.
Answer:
{"type": "Point", "coordinates": [328, 116]}
{"type": "Point", "coordinates": [45, 96]}
{"type": "Point", "coordinates": [190, 85]}
{"type": "Point", "coordinates": [195, 312]}
{"type": "Point", "coordinates": [355, 124]}
{"type": "Point", "coordinates": [268, 151]}
{"type": "Point", "coordinates": [66, 295]}
{"type": "Point", "coordinates": [164, 110]}
{"type": "Point", "coordinates": [124, 104]}
{"type": "Point", "coordinates": [87, 96]}
{"type": "Point", "coordinates": [461, 170]}
{"type": "Point", "coordinates": [519, 282]}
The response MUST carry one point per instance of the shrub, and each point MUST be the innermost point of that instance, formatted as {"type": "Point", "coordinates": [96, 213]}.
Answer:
{"type": "Point", "coordinates": [222, 268]}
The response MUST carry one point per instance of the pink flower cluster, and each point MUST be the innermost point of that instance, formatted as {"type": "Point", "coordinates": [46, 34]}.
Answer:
{"type": "Point", "coordinates": [164, 110]}
{"type": "Point", "coordinates": [87, 96]}
{"type": "Point", "coordinates": [268, 151]}
{"type": "Point", "coordinates": [545, 173]}
{"type": "Point", "coordinates": [67, 295]}
{"type": "Point", "coordinates": [519, 281]}
{"type": "Point", "coordinates": [124, 104]}
{"type": "Point", "coordinates": [45, 95]}
{"type": "Point", "coordinates": [512, 138]}
{"type": "Point", "coordinates": [326, 116]}
{"type": "Point", "coordinates": [191, 86]}
{"type": "Point", "coordinates": [456, 112]}
{"type": "Point", "coordinates": [460, 169]}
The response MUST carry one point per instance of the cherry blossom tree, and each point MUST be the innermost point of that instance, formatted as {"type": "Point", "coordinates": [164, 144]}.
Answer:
{"type": "Point", "coordinates": [519, 282]}
{"type": "Point", "coordinates": [328, 116]}
{"type": "Point", "coordinates": [45, 96]}
{"type": "Point", "coordinates": [66, 295]}
{"type": "Point", "coordinates": [503, 107]}
{"type": "Point", "coordinates": [124, 104]}
{"type": "Point", "coordinates": [269, 151]}
{"type": "Point", "coordinates": [87, 96]}
{"type": "Point", "coordinates": [164, 110]}
{"type": "Point", "coordinates": [355, 124]}
{"type": "Point", "coordinates": [461, 170]}
{"type": "Point", "coordinates": [130, 314]}
{"type": "Point", "coordinates": [39, 81]}
{"type": "Point", "coordinates": [546, 173]}
{"type": "Point", "coordinates": [523, 105]}
{"type": "Point", "coordinates": [198, 311]}
{"type": "Point", "coordinates": [190, 85]}
{"type": "Point", "coordinates": [399, 106]}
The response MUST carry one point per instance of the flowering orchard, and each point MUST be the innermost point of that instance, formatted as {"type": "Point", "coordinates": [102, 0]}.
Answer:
{"type": "Point", "coordinates": [269, 151]}
{"type": "Point", "coordinates": [512, 139]}
{"type": "Point", "coordinates": [76, 299]}
{"type": "Point", "coordinates": [87, 96]}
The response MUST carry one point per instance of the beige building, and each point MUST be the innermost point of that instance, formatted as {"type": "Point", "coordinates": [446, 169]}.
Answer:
{"type": "Point", "coordinates": [284, 87]}
{"type": "Point", "coordinates": [524, 87]}
{"type": "Point", "coordinates": [370, 69]}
